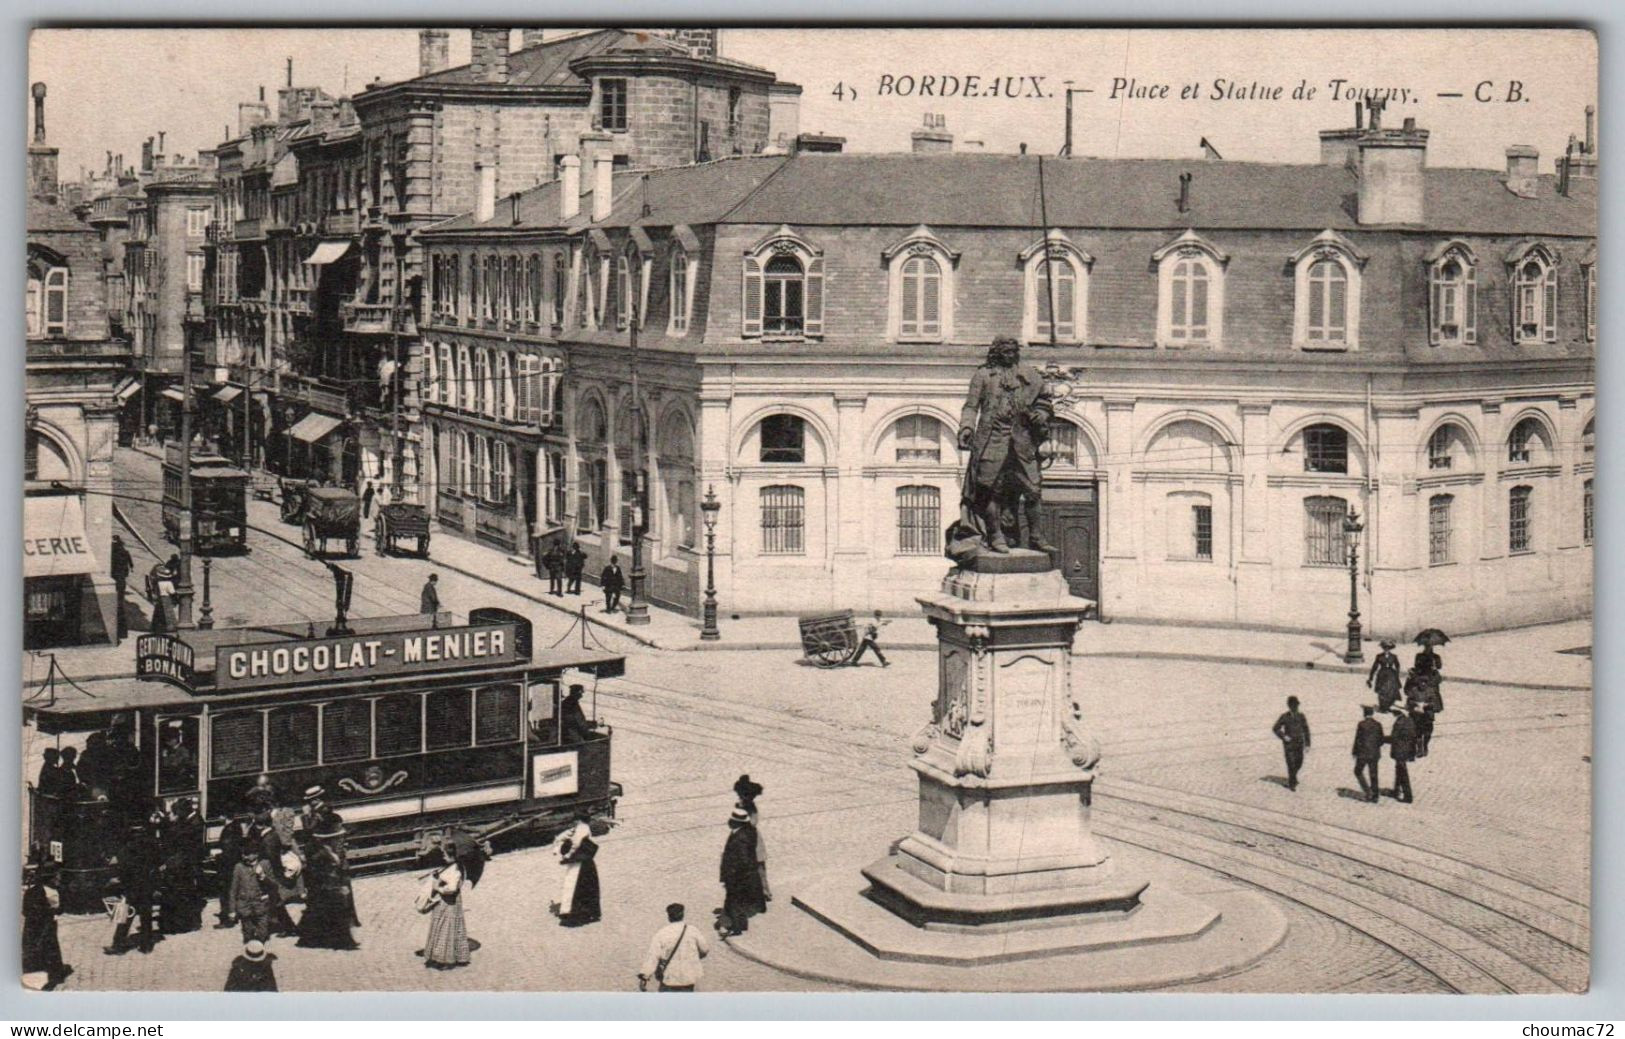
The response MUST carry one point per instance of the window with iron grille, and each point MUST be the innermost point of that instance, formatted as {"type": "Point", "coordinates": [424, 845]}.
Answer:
{"type": "Point", "coordinates": [1521, 444]}
{"type": "Point", "coordinates": [1324, 541]}
{"type": "Point", "coordinates": [1520, 522]}
{"type": "Point", "coordinates": [1585, 514]}
{"type": "Point", "coordinates": [1439, 529]}
{"type": "Point", "coordinates": [919, 520]}
{"type": "Point", "coordinates": [612, 104]}
{"type": "Point", "coordinates": [919, 439]}
{"type": "Point", "coordinates": [1439, 449]}
{"type": "Point", "coordinates": [783, 520]}
{"type": "Point", "coordinates": [784, 439]}
{"type": "Point", "coordinates": [1202, 531]}
{"type": "Point", "coordinates": [1325, 449]}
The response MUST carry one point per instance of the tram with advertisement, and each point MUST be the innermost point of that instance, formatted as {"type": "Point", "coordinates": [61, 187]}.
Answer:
{"type": "Point", "coordinates": [412, 724]}
{"type": "Point", "coordinates": [219, 502]}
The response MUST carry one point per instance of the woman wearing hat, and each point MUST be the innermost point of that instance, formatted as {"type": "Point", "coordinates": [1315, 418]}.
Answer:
{"type": "Point", "coordinates": [1384, 676]}
{"type": "Point", "coordinates": [741, 877]}
{"type": "Point", "coordinates": [447, 945]}
{"type": "Point", "coordinates": [251, 972]}
{"type": "Point", "coordinates": [328, 907]}
{"type": "Point", "coordinates": [180, 888]}
{"type": "Point", "coordinates": [42, 953]}
{"type": "Point", "coordinates": [579, 899]}
{"type": "Point", "coordinates": [748, 791]}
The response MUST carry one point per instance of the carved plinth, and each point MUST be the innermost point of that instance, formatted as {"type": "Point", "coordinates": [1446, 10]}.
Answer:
{"type": "Point", "coordinates": [1005, 765]}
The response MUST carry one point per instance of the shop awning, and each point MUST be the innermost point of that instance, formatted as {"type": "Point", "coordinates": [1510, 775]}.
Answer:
{"type": "Point", "coordinates": [174, 394]}
{"type": "Point", "coordinates": [126, 389]}
{"type": "Point", "coordinates": [227, 394]}
{"type": "Point", "coordinates": [313, 427]}
{"type": "Point", "coordinates": [54, 539]}
{"type": "Point", "coordinates": [327, 252]}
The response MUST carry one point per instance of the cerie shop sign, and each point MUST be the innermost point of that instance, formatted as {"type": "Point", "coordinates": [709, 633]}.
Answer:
{"type": "Point", "coordinates": [263, 664]}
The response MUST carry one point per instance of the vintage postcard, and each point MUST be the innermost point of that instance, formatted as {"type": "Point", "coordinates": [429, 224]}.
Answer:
{"type": "Point", "coordinates": [696, 509]}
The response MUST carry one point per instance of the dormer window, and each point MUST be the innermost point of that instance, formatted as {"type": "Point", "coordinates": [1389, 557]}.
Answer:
{"type": "Point", "coordinates": [1453, 296]}
{"type": "Point", "coordinates": [1591, 299]}
{"type": "Point", "coordinates": [784, 288]}
{"type": "Point", "coordinates": [1190, 292]}
{"type": "Point", "coordinates": [1056, 283]}
{"type": "Point", "coordinates": [921, 272]}
{"type": "Point", "coordinates": [681, 295]}
{"type": "Point", "coordinates": [1534, 295]}
{"type": "Point", "coordinates": [1327, 278]}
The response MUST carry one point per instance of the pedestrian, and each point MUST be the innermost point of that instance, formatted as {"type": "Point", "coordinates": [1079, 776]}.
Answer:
{"type": "Point", "coordinates": [871, 635]}
{"type": "Point", "coordinates": [429, 599]}
{"type": "Point", "coordinates": [329, 907]}
{"type": "Point", "coordinates": [1432, 702]}
{"type": "Point", "coordinates": [251, 971]}
{"type": "Point", "coordinates": [446, 947]}
{"type": "Point", "coordinates": [180, 884]}
{"type": "Point", "coordinates": [1368, 740]}
{"type": "Point", "coordinates": [54, 779]}
{"type": "Point", "coordinates": [121, 566]}
{"type": "Point", "coordinates": [579, 898]}
{"type": "Point", "coordinates": [612, 581]}
{"type": "Point", "coordinates": [1384, 676]}
{"type": "Point", "coordinates": [553, 562]}
{"type": "Point", "coordinates": [235, 839]}
{"type": "Point", "coordinates": [1292, 729]}
{"type": "Point", "coordinates": [674, 956]}
{"type": "Point", "coordinates": [262, 796]}
{"type": "Point", "coordinates": [573, 724]}
{"type": "Point", "coordinates": [366, 500]}
{"type": "Point", "coordinates": [251, 894]}
{"type": "Point", "coordinates": [138, 862]}
{"type": "Point", "coordinates": [741, 877]}
{"type": "Point", "coordinates": [575, 563]}
{"type": "Point", "coordinates": [1402, 749]}
{"type": "Point", "coordinates": [1427, 662]}
{"type": "Point", "coordinates": [280, 866]}
{"type": "Point", "coordinates": [42, 952]}
{"type": "Point", "coordinates": [748, 790]}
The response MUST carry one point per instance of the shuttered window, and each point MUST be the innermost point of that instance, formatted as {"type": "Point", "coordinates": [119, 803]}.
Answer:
{"type": "Point", "coordinates": [783, 520]}
{"type": "Point", "coordinates": [919, 521]}
{"type": "Point", "coordinates": [784, 298]}
{"type": "Point", "coordinates": [292, 742]}
{"type": "Point", "coordinates": [1535, 303]}
{"type": "Point", "coordinates": [1328, 303]}
{"type": "Point", "coordinates": [346, 731]}
{"type": "Point", "coordinates": [449, 723]}
{"type": "Point", "coordinates": [1055, 278]}
{"type": "Point", "coordinates": [1453, 303]}
{"type": "Point", "coordinates": [399, 721]}
{"type": "Point", "coordinates": [920, 314]}
{"type": "Point", "coordinates": [236, 743]}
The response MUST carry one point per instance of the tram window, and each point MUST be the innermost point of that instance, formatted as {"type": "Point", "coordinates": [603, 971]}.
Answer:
{"type": "Point", "coordinates": [236, 742]}
{"type": "Point", "coordinates": [177, 755]}
{"type": "Point", "coordinates": [496, 714]}
{"type": "Point", "coordinates": [450, 723]}
{"type": "Point", "coordinates": [346, 730]}
{"type": "Point", "coordinates": [400, 724]}
{"type": "Point", "coordinates": [293, 736]}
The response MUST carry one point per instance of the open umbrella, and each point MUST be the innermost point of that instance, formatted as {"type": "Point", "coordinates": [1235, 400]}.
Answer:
{"type": "Point", "coordinates": [1431, 637]}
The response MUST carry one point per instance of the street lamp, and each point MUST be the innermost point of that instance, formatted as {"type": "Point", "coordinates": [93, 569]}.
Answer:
{"type": "Point", "coordinates": [205, 619]}
{"type": "Point", "coordinates": [708, 620]}
{"type": "Point", "coordinates": [190, 321]}
{"type": "Point", "coordinates": [1351, 534]}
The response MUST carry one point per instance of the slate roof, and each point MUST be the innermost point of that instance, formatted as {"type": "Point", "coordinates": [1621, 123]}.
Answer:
{"type": "Point", "coordinates": [979, 190]}
{"type": "Point", "coordinates": [548, 64]}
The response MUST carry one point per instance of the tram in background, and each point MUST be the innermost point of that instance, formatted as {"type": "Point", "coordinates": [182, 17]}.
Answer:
{"type": "Point", "coordinates": [412, 724]}
{"type": "Point", "coordinates": [219, 501]}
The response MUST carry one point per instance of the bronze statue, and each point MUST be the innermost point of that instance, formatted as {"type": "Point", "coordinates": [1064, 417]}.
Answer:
{"type": "Point", "coordinates": [1006, 417]}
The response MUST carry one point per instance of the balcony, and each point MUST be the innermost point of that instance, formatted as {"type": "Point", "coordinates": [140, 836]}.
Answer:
{"type": "Point", "coordinates": [250, 230]}
{"type": "Point", "coordinates": [375, 318]}
{"type": "Point", "coordinates": [346, 223]}
{"type": "Point", "coordinates": [311, 391]}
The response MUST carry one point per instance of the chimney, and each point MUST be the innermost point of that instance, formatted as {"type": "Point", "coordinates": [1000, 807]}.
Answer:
{"type": "Point", "coordinates": [490, 62]}
{"type": "Point", "coordinates": [42, 158]}
{"type": "Point", "coordinates": [434, 51]}
{"type": "Point", "coordinates": [1523, 175]}
{"type": "Point", "coordinates": [783, 112]}
{"type": "Point", "coordinates": [1591, 122]}
{"type": "Point", "coordinates": [1390, 165]}
{"type": "Point", "coordinates": [594, 143]}
{"type": "Point", "coordinates": [933, 137]}
{"type": "Point", "coordinates": [603, 186]}
{"type": "Point", "coordinates": [1583, 163]}
{"type": "Point", "coordinates": [158, 157]}
{"type": "Point", "coordinates": [486, 206]}
{"type": "Point", "coordinates": [1342, 147]}
{"type": "Point", "coordinates": [39, 113]}
{"type": "Point", "coordinates": [146, 155]}
{"type": "Point", "coordinates": [569, 188]}
{"type": "Point", "coordinates": [1563, 166]}
{"type": "Point", "coordinates": [529, 38]}
{"type": "Point", "coordinates": [251, 114]}
{"type": "Point", "coordinates": [1184, 192]}
{"type": "Point", "coordinates": [818, 144]}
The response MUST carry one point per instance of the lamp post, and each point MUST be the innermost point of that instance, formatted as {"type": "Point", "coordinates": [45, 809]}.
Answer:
{"type": "Point", "coordinates": [708, 618]}
{"type": "Point", "coordinates": [205, 619]}
{"type": "Point", "coordinates": [1351, 534]}
{"type": "Point", "coordinates": [637, 605]}
{"type": "Point", "coordinates": [183, 580]}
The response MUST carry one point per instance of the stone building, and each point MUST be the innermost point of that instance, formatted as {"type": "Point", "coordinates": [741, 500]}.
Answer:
{"type": "Point", "coordinates": [1241, 355]}
{"type": "Point", "coordinates": [74, 376]}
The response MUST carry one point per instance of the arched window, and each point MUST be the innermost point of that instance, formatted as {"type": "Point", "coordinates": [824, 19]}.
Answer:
{"type": "Point", "coordinates": [476, 284]}
{"type": "Point", "coordinates": [677, 321]}
{"type": "Point", "coordinates": [1189, 316]}
{"type": "Point", "coordinates": [516, 306]}
{"type": "Point", "coordinates": [1190, 292]}
{"type": "Point", "coordinates": [1187, 445]}
{"type": "Point", "coordinates": [1325, 449]}
{"type": "Point", "coordinates": [1526, 440]}
{"type": "Point", "coordinates": [1440, 529]}
{"type": "Point", "coordinates": [47, 299]}
{"type": "Point", "coordinates": [493, 287]}
{"type": "Point", "coordinates": [623, 302]}
{"type": "Point", "coordinates": [918, 438]}
{"type": "Point", "coordinates": [784, 289]}
{"type": "Point", "coordinates": [920, 305]}
{"type": "Point", "coordinates": [591, 425]}
{"type": "Point", "coordinates": [1056, 284]}
{"type": "Point", "coordinates": [1328, 303]}
{"type": "Point", "coordinates": [676, 446]}
{"type": "Point", "coordinates": [1327, 282]}
{"type": "Point", "coordinates": [561, 287]}
{"type": "Point", "coordinates": [533, 289]}
{"type": "Point", "coordinates": [784, 297]}
{"type": "Point", "coordinates": [784, 439]}
{"type": "Point", "coordinates": [784, 520]}
{"type": "Point", "coordinates": [1325, 543]}
{"type": "Point", "coordinates": [1588, 438]}
{"type": "Point", "coordinates": [1534, 299]}
{"type": "Point", "coordinates": [1453, 299]}
{"type": "Point", "coordinates": [919, 520]}
{"type": "Point", "coordinates": [1439, 455]}
{"type": "Point", "coordinates": [1520, 519]}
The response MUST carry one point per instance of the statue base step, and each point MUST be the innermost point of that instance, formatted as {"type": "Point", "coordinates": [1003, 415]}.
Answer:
{"type": "Point", "coordinates": [895, 884]}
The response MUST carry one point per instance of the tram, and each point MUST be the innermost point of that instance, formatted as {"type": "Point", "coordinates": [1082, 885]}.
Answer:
{"type": "Point", "coordinates": [219, 502]}
{"type": "Point", "coordinates": [412, 724]}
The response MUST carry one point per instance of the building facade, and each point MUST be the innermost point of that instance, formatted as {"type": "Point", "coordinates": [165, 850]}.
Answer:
{"type": "Point", "coordinates": [1241, 354]}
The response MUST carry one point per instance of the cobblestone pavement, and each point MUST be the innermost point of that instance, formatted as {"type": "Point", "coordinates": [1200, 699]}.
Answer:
{"type": "Point", "coordinates": [1481, 885]}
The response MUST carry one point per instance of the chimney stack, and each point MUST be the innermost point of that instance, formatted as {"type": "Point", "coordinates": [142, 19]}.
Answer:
{"type": "Point", "coordinates": [1184, 192]}
{"type": "Point", "coordinates": [290, 72]}
{"type": "Point", "coordinates": [1342, 147]}
{"type": "Point", "coordinates": [569, 188]}
{"type": "Point", "coordinates": [490, 54]}
{"type": "Point", "coordinates": [146, 155]}
{"type": "Point", "coordinates": [158, 157]}
{"type": "Point", "coordinates": [1391, 164]}
{"type": "Point", "coordinates": [1591, 124]}
{"type": "Point", "coordinates": [1523, 175]}
{"type": "Point", "coordinates": [1582, 164]}
{"type": "Point", "coordinates": [42, 158]}
{"type": "Point", "coordinates": [434, 51]}
{"type": "Point", "coordinates": [603, 186]}
{"type": "Point", "coordinates": [486, 206]}
{"type": "Point", "coordinates": [933, 137]}
{"type": "Point", "coordinates": [529, 38]}
{"type": "Point", "coordinates": [39, 113]}
{"type": "Point", "coordinates": [251, 114]}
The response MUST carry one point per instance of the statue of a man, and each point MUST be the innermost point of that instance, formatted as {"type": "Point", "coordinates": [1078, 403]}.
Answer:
{"type": "Point", "coordinates": [1006, 417]}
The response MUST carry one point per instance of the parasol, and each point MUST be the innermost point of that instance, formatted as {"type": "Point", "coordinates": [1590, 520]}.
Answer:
{"type": "Point", "coordinates": [1431, 637]}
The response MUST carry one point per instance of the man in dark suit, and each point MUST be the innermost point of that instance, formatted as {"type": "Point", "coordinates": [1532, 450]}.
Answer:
{"type": "Point", "coordinates": [1292, 729]}
{"type": "Point", "coordinates": [553, 562]}
{"type": "Point", "coordinates": [122, 564]}
{"type": "Point", "coordinates": [1402, 749]}
{"type": "Point", "coordinates": [612, 581]}
{"type": "Point", "coordinates": [429, 598]}
{"type": "Point", "coordinates": [138, 872]}
{"type": "Point", "coordinates": [1368, 741]}
{"type": "Point", "coordinates": [575, 563]}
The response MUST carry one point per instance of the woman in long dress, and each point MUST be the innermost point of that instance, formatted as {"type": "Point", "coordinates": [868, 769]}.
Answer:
{"type": "Point", "coordinates": [42, 952]}
{"type": "Point", "coordinates": [579, 896]}
{"type": "Point", "coordinates": [446, 947]}
{"type": "Point", "coordinates": [327, 917]}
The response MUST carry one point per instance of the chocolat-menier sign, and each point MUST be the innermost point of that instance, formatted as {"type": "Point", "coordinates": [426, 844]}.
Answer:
{"type": "Point", "coordinates": [261, 664]}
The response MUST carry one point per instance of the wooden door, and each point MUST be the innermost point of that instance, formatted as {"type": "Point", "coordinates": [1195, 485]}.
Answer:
{"type": "Point", "coordinates": [1070, 520]}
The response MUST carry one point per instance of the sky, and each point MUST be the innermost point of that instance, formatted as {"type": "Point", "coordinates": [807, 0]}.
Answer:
{"type": "Point", "coordinates": [111, 88]}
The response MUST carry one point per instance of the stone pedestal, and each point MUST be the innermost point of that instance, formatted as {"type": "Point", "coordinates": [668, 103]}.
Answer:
{"type": "Point", "coordinates": [1005, 765]}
